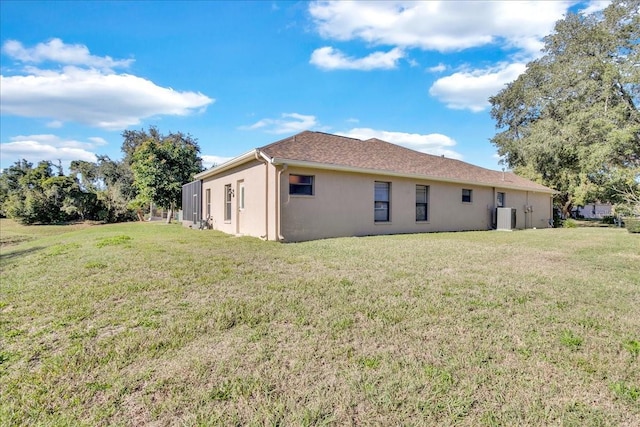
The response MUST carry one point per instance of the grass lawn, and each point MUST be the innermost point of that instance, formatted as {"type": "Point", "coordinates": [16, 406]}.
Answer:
{"type": "Point", "coordinates": [147, 323]}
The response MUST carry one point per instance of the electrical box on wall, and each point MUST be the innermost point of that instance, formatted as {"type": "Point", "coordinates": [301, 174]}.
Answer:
{"type": "Point", "coordinates": [506, 219]}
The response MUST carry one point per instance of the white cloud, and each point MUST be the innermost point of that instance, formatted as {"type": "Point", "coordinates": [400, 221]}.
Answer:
{"type": "Point", "coordinates": [516, 27]}
{"type": "Point", "coordinates": [471, 89]}
{"type": "Point", "coordinates": [55, 124]}
{"type": "Point", "coordinates": [329, 58]}
{"type": "Point", "coordinates": [109, 101]}
{"type": "Point", "coordinates": [35, 148]}
{"type": "Point", "coordinates": [210, 160]}
{"type": "Point", "coordinates": [438, 25]}
{"type": "Point", "coordinates": [595, 6]}
{"type": "Point", "coordinates": [287, 123]}
{"type": "Point", "coordinates": [433, 143]}
{"type": "Point", "coordinates": [86, 90]}
{"type": "Point", "coordinates": [437, 68]}
{"type": "Point", "coordinates": [96, 140]}
{"type": "Point", "coordinates": [55, 50]}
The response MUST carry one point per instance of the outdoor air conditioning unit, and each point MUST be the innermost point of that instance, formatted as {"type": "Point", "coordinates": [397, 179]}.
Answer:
{"type": "Point", "coordinates": [506, 219]}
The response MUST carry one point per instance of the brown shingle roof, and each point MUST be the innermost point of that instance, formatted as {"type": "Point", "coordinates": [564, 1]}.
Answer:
{"type": "Point", "coordinates": [374, 154]}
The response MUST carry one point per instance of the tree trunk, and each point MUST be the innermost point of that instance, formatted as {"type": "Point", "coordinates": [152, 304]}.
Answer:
{"type": "Point", "coordinates": [169, 214]}
{"type": "Point", "coordinates": [565, 202]}
{"type": "Point", "coordinates": [567, 205]}
{"type": "Point", "coordinates": [140, 215]}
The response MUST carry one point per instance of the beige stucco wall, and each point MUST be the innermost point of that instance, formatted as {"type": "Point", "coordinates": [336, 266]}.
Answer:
{"type": "Point", "coordinates": [539, 204]}
{"type": "Point", "coordinates": [251, 220]}
{"type": "Point", "coordinates": [342, 205]}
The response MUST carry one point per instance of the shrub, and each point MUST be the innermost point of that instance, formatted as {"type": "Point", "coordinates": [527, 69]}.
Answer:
{"type": "Point", "coordinates": [609, 219]}
{"type": "Point", "coordinates": [632, 225]}
{"type": "Point", "coordinates": [569, 223]}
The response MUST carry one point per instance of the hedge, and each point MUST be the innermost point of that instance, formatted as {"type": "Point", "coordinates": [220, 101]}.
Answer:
{"type": "Point", "coordinates": [632, 225]}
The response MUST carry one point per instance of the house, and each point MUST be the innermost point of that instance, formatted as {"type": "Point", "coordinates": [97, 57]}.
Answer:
{"type": "Point", "coordinates": [316, 185]}
{"type": "Point", "coordinates": [594, 210]}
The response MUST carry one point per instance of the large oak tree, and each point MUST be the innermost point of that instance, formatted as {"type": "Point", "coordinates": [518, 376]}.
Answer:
{"type": "Point", "coordinates": [571, 121]}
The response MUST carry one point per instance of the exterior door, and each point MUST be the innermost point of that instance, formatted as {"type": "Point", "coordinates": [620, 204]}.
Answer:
{"type": "Point", "coordinates": [240, 208]}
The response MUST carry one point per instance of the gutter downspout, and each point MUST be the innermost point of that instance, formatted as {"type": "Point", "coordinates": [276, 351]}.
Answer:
{"type": "Point", "coordinates": [526, 210]}
{"type": "Point", "coordinates": [266, 194]}
{"type": "Point", "coordinates": [494, 211]}
{"type": "Point", "coordinates": [279, 236]}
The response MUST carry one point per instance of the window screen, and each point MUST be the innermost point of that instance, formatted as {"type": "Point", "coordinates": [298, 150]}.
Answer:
{"type": "Point", "coordinates": [466, 195]}
{"type": "Point", "coordinates": [422, 198]}
{"type": "Point", "coordinates": [227, 202]}
{"type": "Point", "coordinates": [301, 185]}
{"type": "Point", "coordinates": [381, 201]}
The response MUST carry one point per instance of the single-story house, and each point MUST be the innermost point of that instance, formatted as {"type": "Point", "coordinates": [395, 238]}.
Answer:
{"type": "Point", "coordinates": [594, 210]}
{"type": "Point", "coordinates": [316, 185]}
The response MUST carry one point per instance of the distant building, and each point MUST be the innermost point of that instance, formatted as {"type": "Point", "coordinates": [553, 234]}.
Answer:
{"type": "Point", "coordinates": [594, 211]}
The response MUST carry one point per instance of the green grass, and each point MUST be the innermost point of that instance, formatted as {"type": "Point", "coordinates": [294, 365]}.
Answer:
{"type": "Point", "coordinates": [147, 323]}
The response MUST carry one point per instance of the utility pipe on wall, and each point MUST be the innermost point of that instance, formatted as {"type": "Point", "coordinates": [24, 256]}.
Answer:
{"type": "Point", "coordinates": [266, 194]}
{"type": "Point", "coordinates": [279, 236]}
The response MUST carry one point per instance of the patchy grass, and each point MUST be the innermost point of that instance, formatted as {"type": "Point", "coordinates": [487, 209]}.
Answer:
{"type": "Point", "coordinates": [166, 325]}
{"type": "Point", "coordinates": [113, 241]}
{"type": "Point", "coordinates": [12, 230]}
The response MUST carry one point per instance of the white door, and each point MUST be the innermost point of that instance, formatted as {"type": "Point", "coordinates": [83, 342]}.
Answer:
{"type": "Point", "coordinates": [240, 208]}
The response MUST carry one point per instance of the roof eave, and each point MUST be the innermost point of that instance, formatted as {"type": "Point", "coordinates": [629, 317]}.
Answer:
{"type": "Point", "coordinates": [342, 168]}
{"type": "Point", "coordinates": [236, 161]}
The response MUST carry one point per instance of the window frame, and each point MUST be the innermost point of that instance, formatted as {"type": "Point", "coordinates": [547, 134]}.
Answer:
{"type": "Point", "coordinates": [207, 193]}
{"type": "Point", "coordinates": [302, 185]}
{"type": "Point", "coordinates": [241, 195]}
{"type": "Point", "coordinates": [424, 204]}
{"type": "Point", "coordinates": [380, 204]}
{"type": "Point", "coordinates": [468, 196]}
{"type": "Point", "coordinates": [227, 202]}
{"type": "Point", "coordinates": [501, 203]}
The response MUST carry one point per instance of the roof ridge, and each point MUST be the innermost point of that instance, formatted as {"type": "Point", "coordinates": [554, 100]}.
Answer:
{"type": "Point", "coordinates": [378, 154]}
{"type": "Point", "coordinates": [281, 140]}
{"type": "Point", "coordinates": [339, 136]}
{"type": "Point", "coordinates": [293, 137]}
{"type": "Point", "coordinates": [435, 156]}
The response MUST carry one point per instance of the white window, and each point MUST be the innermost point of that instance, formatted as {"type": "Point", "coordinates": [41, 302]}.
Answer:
{"type": "Point", "coordinates": [241, 201]}
{"type": "Point", "coordinates": [422, 202]}
{"type": "Point", "coordinates": [208, 201]}
{"type": "Point", "coordinates": [227, 202]}
{"type": "Point", "coordinates": [381, 201]}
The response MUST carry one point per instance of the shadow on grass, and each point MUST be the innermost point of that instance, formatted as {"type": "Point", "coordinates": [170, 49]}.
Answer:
{"type": "Point", "coordinates": [5, 257]}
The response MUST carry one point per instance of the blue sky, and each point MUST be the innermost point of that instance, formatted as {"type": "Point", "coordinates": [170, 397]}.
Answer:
{"type": "Point", "coordinates": [239, 75]}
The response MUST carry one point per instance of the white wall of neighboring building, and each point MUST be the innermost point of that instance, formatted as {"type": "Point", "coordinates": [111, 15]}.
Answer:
{"type": "Point", "coordinates": [595, 210]}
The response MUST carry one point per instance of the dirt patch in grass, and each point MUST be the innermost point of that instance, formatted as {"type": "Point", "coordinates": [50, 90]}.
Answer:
{"type": "Point", "coordinates": [9, 240]}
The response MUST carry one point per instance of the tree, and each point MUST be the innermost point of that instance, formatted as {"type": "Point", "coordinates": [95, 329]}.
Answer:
{"type": "Point", "coordinates": [37, 195]}
{"type": "Point", "coordinates": [571, 121]}
{"type": "Point", "coordinates": [110, 183]}
{"type": "Point", "coordinates": [10, 182]}
{"type": "Point", "coordinates": [161, 165]}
